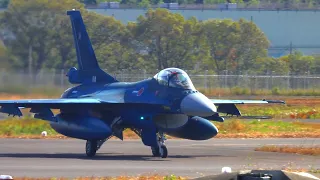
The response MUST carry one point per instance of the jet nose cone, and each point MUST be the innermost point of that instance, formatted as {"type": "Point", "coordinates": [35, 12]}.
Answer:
{"type": "Point", "coordinates": [197, 104]}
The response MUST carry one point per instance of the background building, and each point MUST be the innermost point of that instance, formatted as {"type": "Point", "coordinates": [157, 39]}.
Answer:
{"type": "Point", "coordinates": [286, 30]}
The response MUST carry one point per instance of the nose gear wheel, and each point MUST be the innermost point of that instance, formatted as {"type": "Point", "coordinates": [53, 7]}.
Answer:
{"type": "Point", "coordinates": [161, 150]}
{"type": "Point", "coordinates": [91, 147]}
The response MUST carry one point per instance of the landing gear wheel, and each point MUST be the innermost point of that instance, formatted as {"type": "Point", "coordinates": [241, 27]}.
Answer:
{"type": "Point", "coordinates": [163, 151]}
{"type": "Point", "coordinates": [155, 151]}
{"type": "Point", "coordinates": [160, 152]}
{"type": "Point", "coordinates": [91, 148]}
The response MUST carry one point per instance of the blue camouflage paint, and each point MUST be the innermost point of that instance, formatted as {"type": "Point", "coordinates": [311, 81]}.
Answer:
{"type": "Point", "coordinates": [197, 128]}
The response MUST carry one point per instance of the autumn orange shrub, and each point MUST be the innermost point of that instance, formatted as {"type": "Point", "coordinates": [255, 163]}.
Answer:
{"type": "Point", "coordinates": [303, 115]}
{"type": "Point", "coordinates": [313, 150]}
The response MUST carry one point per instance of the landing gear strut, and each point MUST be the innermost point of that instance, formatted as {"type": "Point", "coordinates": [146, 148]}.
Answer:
{"type": "Point", "coordinates": [161, 150]}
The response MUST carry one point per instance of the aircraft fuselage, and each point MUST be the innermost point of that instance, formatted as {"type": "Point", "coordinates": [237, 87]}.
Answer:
{"type": "Point", "coordinates": [168, 117]}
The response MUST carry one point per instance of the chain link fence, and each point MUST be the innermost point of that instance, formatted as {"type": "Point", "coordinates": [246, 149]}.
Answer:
{"type": "Point", "coordinates": [57, 79]}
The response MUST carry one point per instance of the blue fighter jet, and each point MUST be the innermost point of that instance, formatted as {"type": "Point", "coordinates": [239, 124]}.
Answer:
{"type": "Point", "coordinates": [100, 107]}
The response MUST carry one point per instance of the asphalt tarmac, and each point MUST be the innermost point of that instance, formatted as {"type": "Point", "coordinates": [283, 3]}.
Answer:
{"type": "Point", "coordinates": [66, 158]}
{"type": "Point", "coordinates": [2, 116]}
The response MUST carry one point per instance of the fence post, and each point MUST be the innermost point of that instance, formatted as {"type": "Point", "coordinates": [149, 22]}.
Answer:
{"type": "Point", "coordinates": [272, 79]}
{"type": "Point", "coordinates": [61, 78]}
{"type": "Point", "coordinates": [206, 80]}
{"type": "Point", "coordinates": [225, 79]}
{"type": "Point", "coordinates": [267, 80]}
{"type": "Point", "coordinates": [40, 77]}
{"type": "Point", "coordinates": [288, 81]}
{"type": "Point", "coordinates": [53, 82]}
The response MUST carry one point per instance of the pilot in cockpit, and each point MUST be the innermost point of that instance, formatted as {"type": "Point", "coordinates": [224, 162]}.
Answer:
{"type": "Point", "coordinates": [174, 77]}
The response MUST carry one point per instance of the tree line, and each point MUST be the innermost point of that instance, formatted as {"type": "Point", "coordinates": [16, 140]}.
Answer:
{"type": "Point", "coordinates": [269, 4]}
{"type": "Point", "coordinates": [243, 3]}
{"type": "Point", "coordinates": [37, 35]}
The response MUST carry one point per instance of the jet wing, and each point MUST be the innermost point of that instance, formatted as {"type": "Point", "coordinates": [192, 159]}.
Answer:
{"type": "Point", "coordinates": [31, 102]}
{"type": "Point", "coordinates": [224, 101]}
{"type": "Point", "coordinates": [42, 107]}
{"type": "Point", "coordinates": [229, 106]}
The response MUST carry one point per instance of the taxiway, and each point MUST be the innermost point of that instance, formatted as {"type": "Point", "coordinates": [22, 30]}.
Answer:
{"type": "Point", "coordinates": [66, 158]}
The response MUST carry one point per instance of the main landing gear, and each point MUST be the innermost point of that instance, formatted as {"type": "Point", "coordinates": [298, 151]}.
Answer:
{"type": "Point", "coordinates": [161, 150]}
{"type": "Point", "coordinates": [92, 146]}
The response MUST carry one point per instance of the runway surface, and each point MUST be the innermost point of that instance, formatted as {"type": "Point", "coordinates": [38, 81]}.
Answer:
{"type": "Point", "coordinates": [2, 116]}
{"type": "Point", "coordinates": [47, 158]}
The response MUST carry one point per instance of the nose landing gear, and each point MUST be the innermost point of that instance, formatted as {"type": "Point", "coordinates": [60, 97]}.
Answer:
{"type": "Point", "coordinates": [91, 148]}
{"type": "Point", "coordinates": [161, 150]}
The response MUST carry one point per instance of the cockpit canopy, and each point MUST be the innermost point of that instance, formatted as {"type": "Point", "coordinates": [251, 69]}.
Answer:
{"type": "Point", "coordinates": [174, 77]}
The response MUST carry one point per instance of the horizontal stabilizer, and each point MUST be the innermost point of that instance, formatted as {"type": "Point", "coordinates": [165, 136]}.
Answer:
{"type": "Point", "coordinates": [229, 109]}
{"type": "Point", "coordinates": [229, 101]}
{"type": "Point", "coordinates": [249, 117]}
{"type": "Point", "coordinates": [215, 117]}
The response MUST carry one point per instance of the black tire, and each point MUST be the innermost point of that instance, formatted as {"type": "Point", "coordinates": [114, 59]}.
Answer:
{"type": "Point", "coordinates": [165, 151]}
{"type": "Point", "coordinates": [91, 148]}
{"type": "Point", "coordinates": [155, 151]}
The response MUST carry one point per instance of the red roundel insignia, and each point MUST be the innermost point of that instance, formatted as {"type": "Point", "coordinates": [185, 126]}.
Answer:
{"type": "Point", "coordinates": [140, 91]}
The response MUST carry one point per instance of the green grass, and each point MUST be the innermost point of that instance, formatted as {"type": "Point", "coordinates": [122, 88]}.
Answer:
{"type": "Point", "coordinates": [269, 126]}
{"type": "Point", "coordinates": [247, 91]}
{"type": "Point", "coordinates": [24, 126]}
{"type": "Point", "coordinates": [313, 150]}
{"type": "Point", "coordinates": [123, 177]}
{"type": "Point", "coordinates": [31, 126]}
{"type": "Point", "coordinates": [282, 111]}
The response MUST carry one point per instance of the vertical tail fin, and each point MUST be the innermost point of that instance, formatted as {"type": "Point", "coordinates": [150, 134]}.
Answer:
{"type": "Point", "coordinates": [89, 70]}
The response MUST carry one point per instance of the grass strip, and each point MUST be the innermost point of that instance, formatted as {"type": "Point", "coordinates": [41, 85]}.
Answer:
{"type": "Point", "coordinates": [265, 92]}
{"type": "Point", "coordinates": [28, 127]}
{"type": "Point", "coordinates": [142, 177]}
{"type": "Point", "coordinates": [314, 150]}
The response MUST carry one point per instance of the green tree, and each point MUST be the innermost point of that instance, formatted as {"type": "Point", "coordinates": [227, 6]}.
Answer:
{"type": "Point", "coordinates": [316, 68]}
{"type": "Point", "coordinates": [129, 2]}
{"type": "Point", "coordinates": [214, 1]}
{"type": "Point", "coordinates": [4, 56]}
{"type": "Point", "coordinates": [63, 55]}
{"type": "Point", "coordinates": [254, 2]}
{"type": "Point", "coordinates": [169, 39]}
{"type": "Point", "coordinates": [222, 37]}
{"type": "Point", "coordinates": [234, 45]}
{"type": "Point", "coordinates": [2, 52]}
{"type": "Point", "coordinates": [89, 1]}
{"type": "Point", "coordinates": [4, 3]}
{"type": "Point", "coordinates": [33, 24]}
{"type": "Point", "coordinates": [298, 63]}
{"type": "Point", "coordinates": [269, 65]}
{"type": "Point", "coordinates": [110, 41]}
{"type": "Point", "coordinates": [43, 33]}
{"type": "Point", "coordinates": [144, 4]}
{"type": "Point", "coordinates": [253, 44]}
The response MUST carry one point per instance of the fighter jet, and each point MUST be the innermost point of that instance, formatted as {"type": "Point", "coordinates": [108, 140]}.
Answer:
{"type": "Point", "coordinates": [99, 107]}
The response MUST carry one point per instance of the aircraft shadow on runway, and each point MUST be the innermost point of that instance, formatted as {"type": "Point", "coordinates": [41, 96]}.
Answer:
{"type": "Point", "coordinates": [101, 156]}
